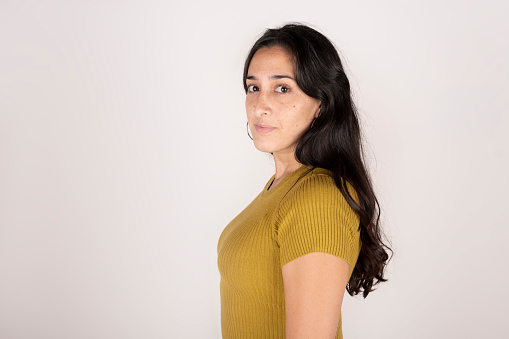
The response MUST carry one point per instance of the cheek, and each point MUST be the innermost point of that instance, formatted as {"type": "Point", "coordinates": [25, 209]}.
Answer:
{"type": "Point", "coordinates": [299, 117]}
{"type": "Point", "coordinates": [285, 115]}
{"type": "Point", "coordinates": [249, 107]}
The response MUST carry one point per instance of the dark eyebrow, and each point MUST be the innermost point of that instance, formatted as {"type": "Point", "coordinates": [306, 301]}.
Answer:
{"type": "Point", "coordinates": [282, 77]}
{"type": "Point", "coordinates": [278, 76]}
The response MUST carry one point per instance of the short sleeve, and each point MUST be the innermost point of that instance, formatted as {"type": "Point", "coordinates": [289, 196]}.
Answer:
{"type": "Point", "coordinates": [315, 217]}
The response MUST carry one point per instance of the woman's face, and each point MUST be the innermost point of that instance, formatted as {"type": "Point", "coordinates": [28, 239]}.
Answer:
{"type": "Point", "coordinates": [278, 111]}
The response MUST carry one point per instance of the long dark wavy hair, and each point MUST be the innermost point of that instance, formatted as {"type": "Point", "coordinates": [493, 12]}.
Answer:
{"type": "Point", "coordinates": [334, 142]}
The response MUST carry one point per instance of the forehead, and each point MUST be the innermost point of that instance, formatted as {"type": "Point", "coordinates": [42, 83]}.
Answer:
{"type": "Point", "coordinates": [270, 61]}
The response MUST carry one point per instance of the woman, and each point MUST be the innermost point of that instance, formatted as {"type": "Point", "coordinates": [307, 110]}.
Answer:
{"type": "Point", "coordinates": [313, 231]}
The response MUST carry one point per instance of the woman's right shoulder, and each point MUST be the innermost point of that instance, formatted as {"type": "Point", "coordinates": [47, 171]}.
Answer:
{"type": "Point", "coordinates": [318, 183]}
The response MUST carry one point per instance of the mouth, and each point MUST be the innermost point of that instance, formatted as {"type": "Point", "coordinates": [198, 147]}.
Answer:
{"type": "Point", "coordinates": [263, 129]}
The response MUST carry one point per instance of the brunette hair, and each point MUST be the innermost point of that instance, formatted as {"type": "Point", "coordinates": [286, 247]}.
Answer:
{"type": "Point", "coordinates": [334, 142]}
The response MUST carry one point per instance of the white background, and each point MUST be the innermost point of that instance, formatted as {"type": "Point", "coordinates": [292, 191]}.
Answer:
{"type": "Point", "coordinates": [123, 155]}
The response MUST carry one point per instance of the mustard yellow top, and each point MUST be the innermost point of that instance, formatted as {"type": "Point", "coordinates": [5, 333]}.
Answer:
{"type": "Point", "coordinates": [302, 214]}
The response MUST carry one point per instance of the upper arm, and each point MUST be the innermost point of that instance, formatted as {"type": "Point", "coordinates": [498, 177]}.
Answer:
{"type": "Point", "coordinates": [318, 238]}
{"type": "Point", "coordinates": [317, 218]}
{"type": "Point", "coordinates": [314, 286]}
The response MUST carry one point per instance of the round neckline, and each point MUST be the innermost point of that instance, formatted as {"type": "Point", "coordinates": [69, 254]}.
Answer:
{"type": "Point", "coordinates": [266, 189]}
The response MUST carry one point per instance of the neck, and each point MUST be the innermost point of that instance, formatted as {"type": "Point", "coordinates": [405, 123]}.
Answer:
{"type": "Point", "coordinates": [285, 164]}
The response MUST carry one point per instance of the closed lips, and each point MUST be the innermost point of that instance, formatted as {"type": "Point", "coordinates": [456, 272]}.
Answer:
{"type": "Point", "coordinates": [263, 129]}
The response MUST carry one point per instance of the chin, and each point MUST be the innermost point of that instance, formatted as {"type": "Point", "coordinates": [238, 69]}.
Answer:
{"type": "Point", "coordinates": [263, 147]}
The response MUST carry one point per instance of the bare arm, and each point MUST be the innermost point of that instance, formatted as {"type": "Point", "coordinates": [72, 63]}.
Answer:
{"type": "Point", "coordinates": [314, 286]}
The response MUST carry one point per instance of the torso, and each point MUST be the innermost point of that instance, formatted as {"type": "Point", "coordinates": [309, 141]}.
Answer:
{"type": "Point", "coordinates": [252, 250]}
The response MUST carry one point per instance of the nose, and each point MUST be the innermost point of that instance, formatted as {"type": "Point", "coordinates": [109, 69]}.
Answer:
{"type": "Point", "coordinates": [262, 104]}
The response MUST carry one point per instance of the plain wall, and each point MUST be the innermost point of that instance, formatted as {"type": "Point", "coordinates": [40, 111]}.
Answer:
{"type": "Point", "coordinates": [124, 154]}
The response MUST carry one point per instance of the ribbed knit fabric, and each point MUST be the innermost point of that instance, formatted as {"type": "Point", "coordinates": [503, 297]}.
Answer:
{"type": "Point", "coordinates": [304, 213]}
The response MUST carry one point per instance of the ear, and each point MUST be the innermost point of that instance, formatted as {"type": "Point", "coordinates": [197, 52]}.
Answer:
{"type": "Point", "coordinates": [318, 111]}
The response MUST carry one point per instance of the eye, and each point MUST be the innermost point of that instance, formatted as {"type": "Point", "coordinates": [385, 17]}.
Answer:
{"type": "Point", "coordinates": [282, 89]}
{"type": "Point", "coordinates": [252, 88]}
